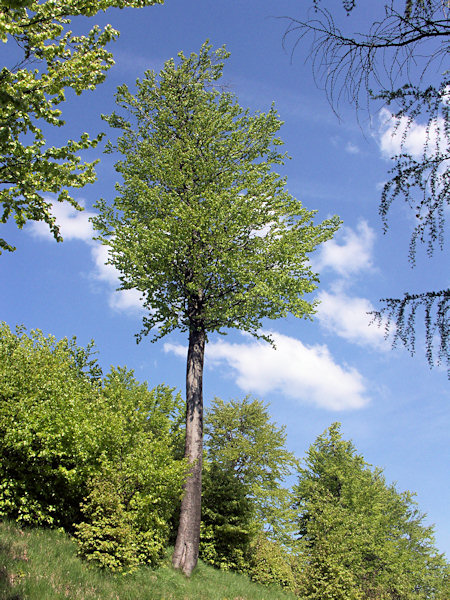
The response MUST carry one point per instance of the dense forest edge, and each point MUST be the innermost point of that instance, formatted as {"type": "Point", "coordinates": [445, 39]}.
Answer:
{"type": "Point", "coordinates": [99, 459]}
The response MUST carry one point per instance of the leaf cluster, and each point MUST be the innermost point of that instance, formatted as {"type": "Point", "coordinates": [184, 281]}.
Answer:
{"type": "Point", "coordinates": [51, 59]}
{"type": "Point", "coordinates": [360, 537]}
{"type": "Point", "coordinates": [245, 506]}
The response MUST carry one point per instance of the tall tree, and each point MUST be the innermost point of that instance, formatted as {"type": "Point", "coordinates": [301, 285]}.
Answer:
{"type": "Point", "coordinates": [361, 537]}
{"type": "Point", "coordinates": [46, 60]}
{"type": "Point", "coordinates": [397, 60]}
{"type": "Point", "coordinates": [204, 229]}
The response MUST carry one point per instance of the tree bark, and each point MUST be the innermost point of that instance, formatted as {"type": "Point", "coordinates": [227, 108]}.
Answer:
{"type": "Point", "coordinates": [185, 555]}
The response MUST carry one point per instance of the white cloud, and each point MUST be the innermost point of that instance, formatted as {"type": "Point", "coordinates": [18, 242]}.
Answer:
{"type": "Point", "coordinates": [120, 300]}
{"type": "Point", "coordinates": [391, 131]}
{"type": "Point", "coordinates": [126, 300]}
{"type": "Point", "coordinates": [103, 271]}
{"type": "Point", "coordinates": [347, 317]}
{"type": "Point", "coordinates": [352, 255]}
{"type": "Point", "coordinates": [73, 224]}
{"type": "Point", "coordinates": [306, 373]}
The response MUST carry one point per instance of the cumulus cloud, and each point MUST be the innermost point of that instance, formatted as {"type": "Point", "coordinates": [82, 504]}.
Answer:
{"type": "Point", "coordinates": [349, 252]}
{"type": "Point", "coordinates": [104, 272]}
{"type": "Point", "coordinates": [347, 317]}
{"type": "Point", "coordinates": [120, 300]}
{"type": "Point", "coordinates": [308, 374]}
{"type": "Point", "coordinates": [415, 137]}
{"type": "Point", "coordinates": [73, 224]}
{"type": "Point", "coordinates": [126, 300]}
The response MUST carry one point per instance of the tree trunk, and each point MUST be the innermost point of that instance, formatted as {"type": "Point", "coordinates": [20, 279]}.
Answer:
{"type": "Point", "coordinates": [185, 555]}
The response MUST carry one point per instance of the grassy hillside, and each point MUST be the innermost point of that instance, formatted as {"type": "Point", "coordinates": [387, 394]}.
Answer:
{"type": "Point", "coordinates": [42, 565]}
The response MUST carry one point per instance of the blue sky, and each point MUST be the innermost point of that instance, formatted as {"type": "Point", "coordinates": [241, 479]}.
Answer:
{"type": "Point", "coordinates": [336, 368]}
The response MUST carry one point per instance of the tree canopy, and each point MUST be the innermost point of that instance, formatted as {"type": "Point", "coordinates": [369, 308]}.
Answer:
{"type": "Point", "coordinates": [47, 59]}
{"type": "Point", "coordinates": [243, 441]}
{"type": "Point", "coordinates": [204, 228]}
{"type": "Point", "coordinates": [399, 60]}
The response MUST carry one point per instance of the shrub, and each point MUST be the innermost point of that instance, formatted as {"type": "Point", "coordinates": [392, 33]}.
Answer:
{"type": "Point", "coordinates": [271, 563]}
{"type": "Point", "coordinates": [101, 457]}
{"type": "Point", "coordinates": [106, 537]}
{"type": "Point", "coordinates": [49, 427]}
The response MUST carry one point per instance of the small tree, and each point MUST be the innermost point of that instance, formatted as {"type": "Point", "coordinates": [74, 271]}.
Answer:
{"type": "Point", "coordinates": [243, 442]}
{"type": "Point", "coordinates": [246, 510]}
{"type": "Point", "coordinates": [47, 59]}
{"type": "Point", "coordinates": [361, 538]}
{"type": "Point", "coordinates": [204, 229]}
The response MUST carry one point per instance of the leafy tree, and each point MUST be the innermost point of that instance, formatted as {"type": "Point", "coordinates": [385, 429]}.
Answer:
{"type": "Point", "coordinates": [134, 493]}
{"type": "Point", "coordinates": [47, 60]}
{"type": "Point", "coordinates": [204, 229]}
{"type": "Point", "coordinates": [361, 538]}
{"type": "Point", "coordinates": [246, 514]}
{"type": "Point", "coordinates": [243, 442]}
{"type": "Point", "coordinates": [395, 61]}
{"type": "Point", "coordinates": [228, 520]}
{"type": "Point", "coordinates": [49, 426]}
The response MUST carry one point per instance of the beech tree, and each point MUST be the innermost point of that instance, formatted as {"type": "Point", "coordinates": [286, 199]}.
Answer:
{"type": "Point", "coordinates": [244, 442]}
{"type": "Point", "coordinates": [397, 59]}
{"type": "Point", "coordinates": [46, 60]}
{"type": "Point", "coordinates": [204, 229]}
{"type": "Point", "coordinates": [244, 495]}
{"type": "Point", "coordinates": [361, 537]}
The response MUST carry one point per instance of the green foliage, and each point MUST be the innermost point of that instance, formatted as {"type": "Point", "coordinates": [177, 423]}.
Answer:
{"type": "Point", "coordinates": [243, 441]}
{"type": "Point", "coordinates": [51, 59]}
{"type": "Point", "coordinates": [360, 537]}
{"type": "Point", "coordinates": [243, 493]}
{"type": "Point", "coordinates": [66, 436]}
{"type": "Point", "coordinates": [202, 227]}
{"type": "Point", "coordinates": [49, 427]}
{"type": "Point", "coordinates": [133, 497]}
{"type": "Point", "coordinates": [106, 537]}
{"type": "Point", "coordinates": [271, 563]}
{"type": "Point", "coordinates": [228, 523]}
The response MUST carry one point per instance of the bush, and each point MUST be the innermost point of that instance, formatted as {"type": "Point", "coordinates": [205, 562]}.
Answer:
{"type": "Point", "coordinates": [129, 507]}
{"type": "Point", "coordinates": [49, 427]}
{"type": "Point", "coordinates": [271, 563]}
{"type": "Point", "coordinates": [106, 537]}
{"type": "Point", "coordinates": [101, 457]}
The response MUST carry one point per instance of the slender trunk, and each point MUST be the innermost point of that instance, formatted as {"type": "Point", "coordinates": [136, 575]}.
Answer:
{"type": "Point", "coordinates": [185, 555]}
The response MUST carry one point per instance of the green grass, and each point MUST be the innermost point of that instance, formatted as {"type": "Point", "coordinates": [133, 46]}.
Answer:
{"type": "Point", "coordinates": [38, 564]}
